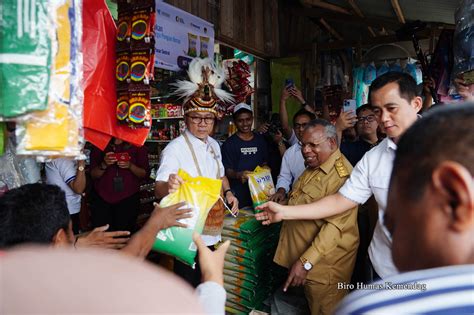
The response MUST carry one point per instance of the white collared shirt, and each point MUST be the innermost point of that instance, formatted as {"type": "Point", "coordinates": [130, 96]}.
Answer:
{"type": "Point", "coordinates": [292, 166]}
{"type": "Point", "coordinates": [372, 176]}
{"type": "Point", "coordinates": [61, 172]}
{"type": "Point", "coordinates": [177, 154]}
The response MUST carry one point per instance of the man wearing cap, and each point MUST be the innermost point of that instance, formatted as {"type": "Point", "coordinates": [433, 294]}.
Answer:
{"type": "Point", "coordinates": [242, 152]}
{"type": "Point", "coordinates": [196, 152]}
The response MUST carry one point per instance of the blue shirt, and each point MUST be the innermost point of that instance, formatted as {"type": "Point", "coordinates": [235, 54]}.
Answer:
{"type": "Point", "coordinates": [241, 155]}
{"type": "Point", "coordinates": [444, 290]}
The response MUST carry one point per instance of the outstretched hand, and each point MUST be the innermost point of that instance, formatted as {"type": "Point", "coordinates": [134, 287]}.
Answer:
{"type": "Point", "coordinates": [211, 262]}
{"type": "Point", "coordinates": [98, 237]}
{"type": "Point", "coordinates": [169, 216]}
{"type": "Point", "coordinates": [271, 212]}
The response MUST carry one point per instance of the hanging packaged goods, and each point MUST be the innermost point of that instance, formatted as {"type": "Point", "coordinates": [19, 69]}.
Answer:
{"type": "Point", "coordinates": [47, 69]}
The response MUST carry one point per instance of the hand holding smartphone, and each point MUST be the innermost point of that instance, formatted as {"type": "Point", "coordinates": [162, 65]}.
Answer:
{"type": "Point", "coordinates": [349, 105]}
{"type": "Point", "coordinates": [289, 83]}
{"type": "Point", "coordinates": [122, 156]}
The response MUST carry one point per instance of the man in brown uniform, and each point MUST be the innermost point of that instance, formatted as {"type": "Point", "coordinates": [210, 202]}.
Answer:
{"type": "Point", "coordinates": [320, 253]}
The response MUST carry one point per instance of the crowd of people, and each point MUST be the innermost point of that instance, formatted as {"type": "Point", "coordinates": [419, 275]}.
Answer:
{"type": "Point", "coordinates": [414, 173]}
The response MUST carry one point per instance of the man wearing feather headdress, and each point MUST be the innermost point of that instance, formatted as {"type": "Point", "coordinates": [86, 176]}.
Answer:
{"type": "Point", "coordinates": [196, 152]}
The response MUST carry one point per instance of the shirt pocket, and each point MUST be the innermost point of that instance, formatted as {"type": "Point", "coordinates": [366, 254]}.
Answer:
{"type": "Point", "coordinates": [312, 192]}
{"type": "Point", "coordinates": [380, 186]}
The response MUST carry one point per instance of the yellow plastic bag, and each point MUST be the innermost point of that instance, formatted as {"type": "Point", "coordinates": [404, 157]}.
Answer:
{"type": "Point", "coordinates": [200, 194]}
{"type": "Point", "coordinates": [260, 185]}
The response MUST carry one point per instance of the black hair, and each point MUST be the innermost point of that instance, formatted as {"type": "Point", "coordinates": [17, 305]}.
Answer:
{"type": "Point", "coordinates": [364, 107]}
{"type": "Point", "coordinates": [303, 112]}
{"type": "Point", "coordinates": [406, 84]}
{"type": "Point", "coordinates": [32, 213]}
{"type": "Point", "coordinates": [442, 134]}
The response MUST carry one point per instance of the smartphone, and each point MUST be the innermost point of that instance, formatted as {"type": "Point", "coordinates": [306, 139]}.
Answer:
{"type": "Point", "coordinates": [349, 105]}
{"type": "Point", "coordinates": [289, 83]}
{"type": "Point", "coordinates": [122, 156]}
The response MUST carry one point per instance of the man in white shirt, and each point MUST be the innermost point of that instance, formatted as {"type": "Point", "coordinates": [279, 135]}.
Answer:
{"type": "Point", "coordinates": [70, 176]}
{"type": "Point", "coordinates": [292, 164]}
{"type": "Point", "coordinates": [430, 212]}
{"type": "Point", "coordinates": [395, 101]}
{"type": "Point", "coordinates": [198, 154]}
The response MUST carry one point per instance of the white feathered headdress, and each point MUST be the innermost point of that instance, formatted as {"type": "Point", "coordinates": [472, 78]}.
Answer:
{"type": "Point", "coordinates": [203, 90]}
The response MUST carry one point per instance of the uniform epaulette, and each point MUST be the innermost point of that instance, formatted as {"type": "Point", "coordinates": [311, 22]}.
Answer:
{"type": "Point", "coordinates": [341, 168]}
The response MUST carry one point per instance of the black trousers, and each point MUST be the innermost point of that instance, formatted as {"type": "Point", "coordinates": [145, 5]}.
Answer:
{"type": "Point", "coordinates": [121, 216]}
{"type": "Point", "coordinates": [188, 274]}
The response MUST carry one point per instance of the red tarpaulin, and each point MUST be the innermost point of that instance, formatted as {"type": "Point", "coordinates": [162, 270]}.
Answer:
{"type": "Point", "coordinates": [98, 46]}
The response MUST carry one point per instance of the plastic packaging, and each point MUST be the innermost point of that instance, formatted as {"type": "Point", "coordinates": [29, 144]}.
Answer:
{"type": "Point", "coordinates": [200, 194]}
{"type": "Point", "coordinates": [410, 68]}
{"type": "Point", "coordinates": [384, 68]}
{"type": "Point", "coordinates": [26, 47]}
{"type": "Point", "coordinates": [58, 131]}
{"type": "Point", "coordinates": [396, 67]}
{"type": "Point", "coordinates": [100, 117]}
{"type": "Point", "coordinates": [261, 185]}
{"type": "Point", "coordinates": [370, 73]}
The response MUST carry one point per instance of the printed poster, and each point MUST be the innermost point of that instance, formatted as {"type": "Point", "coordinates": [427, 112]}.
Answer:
{"type": "Point", "coordinates": [179, 37]}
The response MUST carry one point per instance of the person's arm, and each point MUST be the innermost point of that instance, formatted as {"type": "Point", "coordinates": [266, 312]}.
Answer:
{"type": "Point", "coordinates": [299, 96]}
{"type": "Point", "coordinates": [161, 218]}
{"type": "Point", "coordinates": [78, 184]}
{"type": "Point", "coordinates": [229, 195]}
{"type": "Point", "coordinates": [211, 292]}
{"type": "Point", "coordinates": [163, 188]}
{"type": "Point", "coordinates": [98, 237]}
{"type": "Point", "coordinates": [344, 121]}
{"type": "Point", "coordinates": [240, 176]}
{"type": "Point", "coordinates": [328, 206]}
{"type": "Point", "coordinates": [284, 179]}
{"type": "Point", "coordinates": [327, 239]}
{"type": "Point", "coordinates": [287, 130]}
{"type": "Point", "coordinates": [464, 89]}
{"type": "Point", "coordinates": [356, 190]}
{"type": "Point", "coordinates": [169, 165]}
{"type": "Point", "coordinates": [99, 167]}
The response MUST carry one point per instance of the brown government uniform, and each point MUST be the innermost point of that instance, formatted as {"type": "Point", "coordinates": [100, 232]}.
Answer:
{"type": "Point", "coordinates": [329, 244]}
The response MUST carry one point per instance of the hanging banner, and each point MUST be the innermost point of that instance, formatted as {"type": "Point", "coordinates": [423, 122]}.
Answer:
{"type": "Point", "coordinates": [179, 37]}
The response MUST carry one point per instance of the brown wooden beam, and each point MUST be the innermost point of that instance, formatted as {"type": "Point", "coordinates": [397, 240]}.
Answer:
{"type": "Point", "coordinates": [344, 18]}
{"type": "Point", "coordinates": [326, 5]}
{"type": "Point", "coordinates": [359, 13]}
{"type": "Point", "coordinates": [351, 43]}
{"type": "Point", "coordinates": [398, 11]}
{"type": "Point", "coordinates": [330, 29]}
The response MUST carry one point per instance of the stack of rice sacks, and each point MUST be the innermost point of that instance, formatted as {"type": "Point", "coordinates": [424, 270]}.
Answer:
{"type": "Point", "coordinates": [249, 276]}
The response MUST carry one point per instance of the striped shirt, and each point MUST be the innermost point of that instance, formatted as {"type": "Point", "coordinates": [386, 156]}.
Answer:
{"type": "Point", "coordinates": [444, 290]}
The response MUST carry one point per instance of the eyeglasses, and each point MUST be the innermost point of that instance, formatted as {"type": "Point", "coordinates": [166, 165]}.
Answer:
{"type": "Point", "coordinates": [369, 118]}
{"type": "Point", "coordinates": [300, 126]}
{"type": "Point", "coordinates": [199, 119]}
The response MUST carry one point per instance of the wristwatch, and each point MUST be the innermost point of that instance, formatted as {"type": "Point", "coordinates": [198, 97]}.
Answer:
{"type": "Point", "coordinates": [81, 168]}
{"type": "Point", "coordinates": [306, 264]}
{"type": "Point", "coordinates": [303, 104]}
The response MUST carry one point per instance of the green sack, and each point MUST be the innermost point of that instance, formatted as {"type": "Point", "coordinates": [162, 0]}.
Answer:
{"type": "Point", "coordinates": [200, 194]}
{"type": "Point", "coordinates": [25, 56]}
